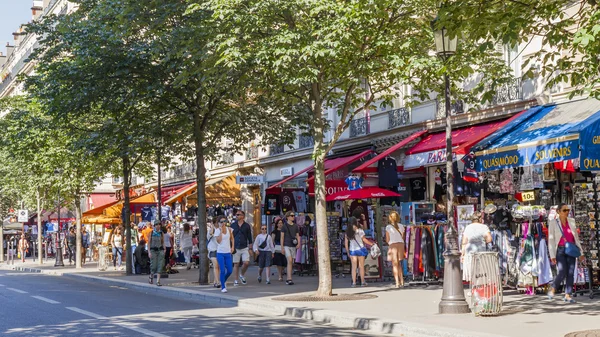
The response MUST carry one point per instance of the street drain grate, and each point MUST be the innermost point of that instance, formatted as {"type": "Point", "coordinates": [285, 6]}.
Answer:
{"type": "Point", "coordinates": [333, 298]}
{"type": "Point", "coordinates": [585, 333]}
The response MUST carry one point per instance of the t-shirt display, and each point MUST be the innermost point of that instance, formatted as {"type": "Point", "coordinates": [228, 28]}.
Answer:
{"type": "Point", "coordinates": [272, 205]}
{"type": "Point", "coordinates": [354, 183]}
{"type": "Point", "coordinates": [146, 213]}
{"type": "Point", "coordinates": [300, 201]}
{"type": "Point", "coordinates": [165, 212]}
{"type": "Point", "coordinates": [470, 173]}
{"type": "Point", "coordinates": [388, 172]}
{"type": "Point", "coordinates": [287, 202]}
{"type": "Point", "coordinates": [417, 189]}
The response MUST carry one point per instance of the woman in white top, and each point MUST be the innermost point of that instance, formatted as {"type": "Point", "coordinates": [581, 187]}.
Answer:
{"type": "Point", "coordinates": [224, 237]}
{"type": "Point", "coordinates": [263, 244]}
{"type": "Point", "coordinates": [355, 246]}
{"type": "Point", "coordinates": [185, 240]}
{"type": "Point", "coordinates": [169, 240]}
{"type": "Point", "coordinates": [394, 236]}
{"type": "Point", "coordinates": [212, 250]}
{"type": "Point", "coordinates": [474, 240]}
{"type": "Point", "coordinates": [117, 248]}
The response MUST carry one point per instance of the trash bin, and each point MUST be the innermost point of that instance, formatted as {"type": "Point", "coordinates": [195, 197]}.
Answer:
{"type": "Point", "coordinates": [102, 258]}
{"type": "Point", "coordinates": [486, 284]}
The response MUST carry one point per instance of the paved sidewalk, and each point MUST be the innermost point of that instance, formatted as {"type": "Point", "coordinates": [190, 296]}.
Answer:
{"type": "Point", "coordinates": [411, 311]}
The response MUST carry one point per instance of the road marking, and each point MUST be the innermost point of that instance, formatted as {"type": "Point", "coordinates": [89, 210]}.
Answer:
{"type": "Point", "coordinates": [125, 325]}
{"type": "Point", "coordinates": [17, 290]}
{"type": "Point", "coordinates": [46, 299]}
{"type": "Point", "coordinates": [1, 285]}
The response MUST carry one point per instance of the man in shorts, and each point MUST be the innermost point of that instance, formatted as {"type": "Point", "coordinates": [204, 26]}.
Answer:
{"type": "Point", "coordinates": [242, 235]}
{"type": "Point", "coordinates": [290, 237]}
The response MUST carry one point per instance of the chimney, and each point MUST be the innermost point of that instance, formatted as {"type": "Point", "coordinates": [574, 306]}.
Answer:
{"type": "Point", "coordinates": [38, 9]}
{"type": "Point", "coordinates": [2, 60]}
{"type": "Point", "coordinates": [19, 35]}
{"type": "Point", "coordinates": [9, 49]}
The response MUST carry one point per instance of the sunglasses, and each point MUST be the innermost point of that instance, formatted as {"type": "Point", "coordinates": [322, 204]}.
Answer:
{"type": "Point", "coordinates": [222, 221]}
{"type": "Point", "coordinates": [290, 216]}
{"type": "Point", "coordinates": [263, 229]}
{"type": "Point", "coordinates": [565, 210]}
{"type": "Point", "coordinates": [240, 214]}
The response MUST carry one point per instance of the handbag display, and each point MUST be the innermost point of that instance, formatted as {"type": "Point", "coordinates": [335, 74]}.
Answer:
{"type": "Point", "coordinates": [571, 249]}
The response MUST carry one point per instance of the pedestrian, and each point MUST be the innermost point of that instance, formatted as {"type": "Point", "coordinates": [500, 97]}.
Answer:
{"type": "Point", "coordinates": [355, 246]}
{"type": "Point", "coordinates": [225, 248]}
{"type": "Point", "coordinates": [278, 256]}
{"type": "Point", "coordinates": [242, 235]}
{"type": "Point", "coordinates": [394, 236]}
{"type": "Point", "coordinates": [169, 240]}
{"type": "Point", "coordinates": [185, 240]}
{"type": "Point", "coordinates": [71, 244]}
{"type": "Point", "coordinates": [212, 246]}
{"type": "Point", "coordinates": [263, 245]}
{"type": "Point", "coordinates": [23, 246]}
{"type": "Point", "coordinates": [85, 244]}
{"type": "Point", "coordinates": [117, 248]}
{"type": "Point", "coordinates": [290, 237]}
{"type": "Point", "coordinates": [156, 251]}
{"type": "Point", "coordinates": [475, 238]}
{"type": "Point", "coordinates": [142, 261]}
{"type": "Point", "coordinates": [133, 243]}
{"type": "Point", "coordinates": [564, 247]}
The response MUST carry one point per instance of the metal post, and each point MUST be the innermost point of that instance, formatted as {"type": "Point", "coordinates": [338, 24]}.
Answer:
{"type": "Point", "coordinates": [58, 262]}
{"type": "Point", "coordinates": [2, 243]}
{"type": "Point", "coordinates": [453, 296]}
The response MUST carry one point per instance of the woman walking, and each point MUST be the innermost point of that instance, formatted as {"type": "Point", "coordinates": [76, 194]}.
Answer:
{"type": "Point", "coordinates": [475, 238]}
{"type": "Point", "coordinates": [23, 246]}
{"type": "Point", "coordinates": [224, 238]}
{"type": "Point", "coordinates": [212, 251]}
{"type": "Point", "coordinates": [156, 251]}
{"type": "Point", "coordinates": [72, 244]}
{"type": "Point", "coordinates": [266, 249]}
{"type": "Point", "coordinates": [169, 240]}
{"type": "Point", "coordinates": [355, 246]}
{"type": "Point", "coordinates": [394, 236]}
{"type": "Point", "coordinates": [117, 248]}
{"type": "Point", "coordinates": [278, 257]}
{"type": "Point", "coordinates": [564, 247]}
{"type": "Point", "coordinates": [185, 240]}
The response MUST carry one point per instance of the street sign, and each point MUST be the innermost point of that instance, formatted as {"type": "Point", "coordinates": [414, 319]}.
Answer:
{"type": "Point", "coordinates": [250, 179]}
{"type": "Point", "coordinates": [22, 215]}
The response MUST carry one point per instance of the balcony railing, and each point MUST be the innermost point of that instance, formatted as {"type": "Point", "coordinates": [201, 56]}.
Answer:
{"type": "Point", "coordinates": [509, 92]}
{"type": "Point", "coordinates": [398, 117]}
{"type": "Point", "coordinates": [252, 153]}
{"type": "Point", "coordinates": [227, 159]}
{"type": "Point", "coordinates": [276, 149]}
{"type": "Point", "coordinates": [306, 141]}
{"type": "Point", "coordinates": [359, 127]}
{"type": "Point", "coordinates": [456, 107]}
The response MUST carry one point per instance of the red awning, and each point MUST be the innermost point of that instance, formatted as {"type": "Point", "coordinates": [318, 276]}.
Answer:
{"type": "Point", "coordinates": [101, 199]}
{"type": "Point", "coordinates": [290, 178]}
{"type": "Point", "coordinates": [466, 147]}
{"type": "Point", "coordinates": [401, 144]}
{"type": "Point", "coordinates": [333, 165]}
{"type": "Point", "coordinates": [174, 190]}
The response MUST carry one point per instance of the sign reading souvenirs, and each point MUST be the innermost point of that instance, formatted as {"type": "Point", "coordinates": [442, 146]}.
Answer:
{"type": "Point", "coordinates": [534, 155]}
{"type": "Point", "coordinates": [250, 179]}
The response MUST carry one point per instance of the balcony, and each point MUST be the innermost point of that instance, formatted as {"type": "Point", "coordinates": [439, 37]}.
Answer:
{"type": "Point", "coordinates": [510, 92]}
{"type": "Point", "coordinates": [398, 117]}
{"type": "Point", "coordinates": [306, 141]}
{"type": "Point", "coordinates": [252, 153]}
{"type": "Point", "coordinates": [359, 127]}
{"type": "Point", "coordinates": [456, 108]}
{"type": "Point", "coordinates": [276, 149]}
{"type": "Point", "coordinates": [227, 159]}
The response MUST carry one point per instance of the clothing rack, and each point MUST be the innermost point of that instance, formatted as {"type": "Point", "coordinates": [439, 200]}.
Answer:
{"type": "Point", "coordinates": [425, 279]}
{"type": "Point", "coordinates": [593, 292]}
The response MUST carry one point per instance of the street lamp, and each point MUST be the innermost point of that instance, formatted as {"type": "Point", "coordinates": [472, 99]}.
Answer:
{"type": "Point", "coordinates": [453, 296]}
{"type": "Point", "coordinates": [59, 257]}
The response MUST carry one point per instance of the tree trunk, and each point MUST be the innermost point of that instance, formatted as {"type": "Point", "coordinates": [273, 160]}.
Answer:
{"type": "Point", "coordinates": [39, 226]}
{"type": "Point", "coordinates": [125, 215]}
{"type": "Point", "coordinates": [78, 232]}
{"type": "Point", "coordinates": [325, 287]}
{"type": "Point", "coordinates": [201, 192]}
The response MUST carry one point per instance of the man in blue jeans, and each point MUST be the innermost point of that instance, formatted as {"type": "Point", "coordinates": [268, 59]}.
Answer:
{"type": "Point", "coordinates": [242, 234]}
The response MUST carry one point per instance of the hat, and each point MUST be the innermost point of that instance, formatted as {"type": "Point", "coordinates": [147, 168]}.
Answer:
{"type": "Point", "coordinates": [476, 216]}
{"type": "Point", "coordinates": [489, 209]}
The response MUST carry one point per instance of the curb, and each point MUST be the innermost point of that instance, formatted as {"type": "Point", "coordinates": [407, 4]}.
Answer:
{"type": "Point", "coordinates": [273, 308]}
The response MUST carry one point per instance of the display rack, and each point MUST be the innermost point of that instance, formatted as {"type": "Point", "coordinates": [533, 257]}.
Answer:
{"type": "Point", "coordinates": [594, 240]}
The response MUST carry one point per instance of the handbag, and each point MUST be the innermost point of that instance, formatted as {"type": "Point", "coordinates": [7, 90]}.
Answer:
{"type": "Point", "coordinates": [363, 250]}
{"type": "Point", "coordinates": [571, 249]}
{"type": "Point", "coordinates": [263, 245]}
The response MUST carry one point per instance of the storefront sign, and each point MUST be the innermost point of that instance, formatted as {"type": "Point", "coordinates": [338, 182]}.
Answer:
{"type": "Point", "coordinates": [430, 158]}
{"type": "Point", "coordinates": [534, 155]}
{"type": "Point", "coordinates": [286, 171]}
{"type": "Point", "coordinates": [589, 139]}
{"type": "Point", "coordinates": [250, 179]}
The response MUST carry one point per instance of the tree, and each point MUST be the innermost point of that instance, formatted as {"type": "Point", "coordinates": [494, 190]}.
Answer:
{"type": "Point", "coordinates": [343, 55]}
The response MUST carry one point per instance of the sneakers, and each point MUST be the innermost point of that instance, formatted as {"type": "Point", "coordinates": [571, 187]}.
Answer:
{"type": "Point", "coordinates": [268, 281]}
{"type": "Point", "coordinates": [289, 282]}
{"type": "Point", "coordinates": [235, 283]}
{"type": "Point", "coordinates": [259, 279]}
{"type": "Point", "coordinates": [243, 279]}
{"type": "Point", "coordinates": [224, 290]}
{"type": "Point", "coordinates": [364, 284]}
{"type": "Point", "coordinates": [353, 285]}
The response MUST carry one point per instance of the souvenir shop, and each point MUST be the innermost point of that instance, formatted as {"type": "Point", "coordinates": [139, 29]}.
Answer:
{"type": "Point", "coordinates": [546, 156]}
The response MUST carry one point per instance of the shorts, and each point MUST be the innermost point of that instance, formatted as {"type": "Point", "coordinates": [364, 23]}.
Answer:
{"type": "Point", "coordinates": [242, 254]}
{"type": "Point", "coordinates": [359, 252]}
{"type": "Point", "coordinates": [265, 259]}
{"type": "Point", "coordinates": [396, 252]}
{"type": "Point", "coordinates": [290, 252]}
{"type": "Point", "coordinates": [212, 255]}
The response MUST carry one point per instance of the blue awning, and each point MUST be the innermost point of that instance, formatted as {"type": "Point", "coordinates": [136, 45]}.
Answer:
{"type": "Point", "coordinates": [589, 143]}
{"type": "Point", "coordinates": [544, 135]}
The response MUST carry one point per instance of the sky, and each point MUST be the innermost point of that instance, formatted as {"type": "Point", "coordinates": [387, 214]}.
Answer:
{"type": "Point", "coordinates": [13, 13]}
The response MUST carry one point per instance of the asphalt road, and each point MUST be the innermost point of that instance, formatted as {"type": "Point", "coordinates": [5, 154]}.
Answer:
{"type": "Point", "coordinates": [42, 305]}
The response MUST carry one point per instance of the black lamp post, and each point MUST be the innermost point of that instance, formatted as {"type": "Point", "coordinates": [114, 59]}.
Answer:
{"type": "Point", "coordinates": [59, 257]}
{"type": "Point", "coordinates": [453, 296]}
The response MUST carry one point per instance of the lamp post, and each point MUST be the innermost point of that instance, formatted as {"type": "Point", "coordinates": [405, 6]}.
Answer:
{"type": "Point", "coordinates": [59, 257]}
{"type": "Point", "coordinates": [453, 296]}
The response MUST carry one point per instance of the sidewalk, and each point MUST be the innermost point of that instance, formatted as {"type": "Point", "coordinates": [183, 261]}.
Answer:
{"type": "Point", "coordinates": [410, 312]}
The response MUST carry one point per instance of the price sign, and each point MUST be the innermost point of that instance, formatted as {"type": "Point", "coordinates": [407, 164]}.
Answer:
{"type": "Point", "coordinates": [528, 196]}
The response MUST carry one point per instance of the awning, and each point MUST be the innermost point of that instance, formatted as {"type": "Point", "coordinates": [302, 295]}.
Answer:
{"type": "Point", "coordinates": [100, 219]}
{"type": "Point", "coordinates": [550, 134]}
{"type": "Point", "coordinates": [146, 199]}
{"type": "Point", "coordinates": [181, 193]}
{"type": "Point", "coordinates": [100, 209]}
{"type": "Point", "coordinates": [101, 199]}
{"type": "Point", "coordinates": [332, 165]}
{"type": "Point", "coordinates": [431, 150]}
{"type": "Point", "coordinates": [169, 191]}
{"type": "Point", "coordinates": [218, 190]}
{"type": "Point", "coordinates": [293, 176]}
{"type": "Point", "coordinates": [401, 144]}
{"type": "Point", "coordinates": [114, 211]}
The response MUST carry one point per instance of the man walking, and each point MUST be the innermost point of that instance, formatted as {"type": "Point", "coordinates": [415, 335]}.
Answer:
{"type": "Point", "coordinates": [242, 234]}
{"type": "Point", "coordinates": [291, 243]}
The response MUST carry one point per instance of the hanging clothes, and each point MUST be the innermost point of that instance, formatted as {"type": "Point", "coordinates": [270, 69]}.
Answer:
{"type": "Point", "coordinates": [545, 272]}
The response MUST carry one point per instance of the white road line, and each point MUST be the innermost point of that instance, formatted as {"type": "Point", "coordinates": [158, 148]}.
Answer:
{"type": "Point", "coordinates": [17, 290]}
{"type": "Point", "coordinates": [125, 325]}
{"type": "Point", "coordinates": [46, 299]}
{"type": "Point", "coordinates": [1, 285]}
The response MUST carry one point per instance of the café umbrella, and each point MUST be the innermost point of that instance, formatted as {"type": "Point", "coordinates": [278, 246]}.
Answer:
{"type": "Point", "coordinates": [362, 193]}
